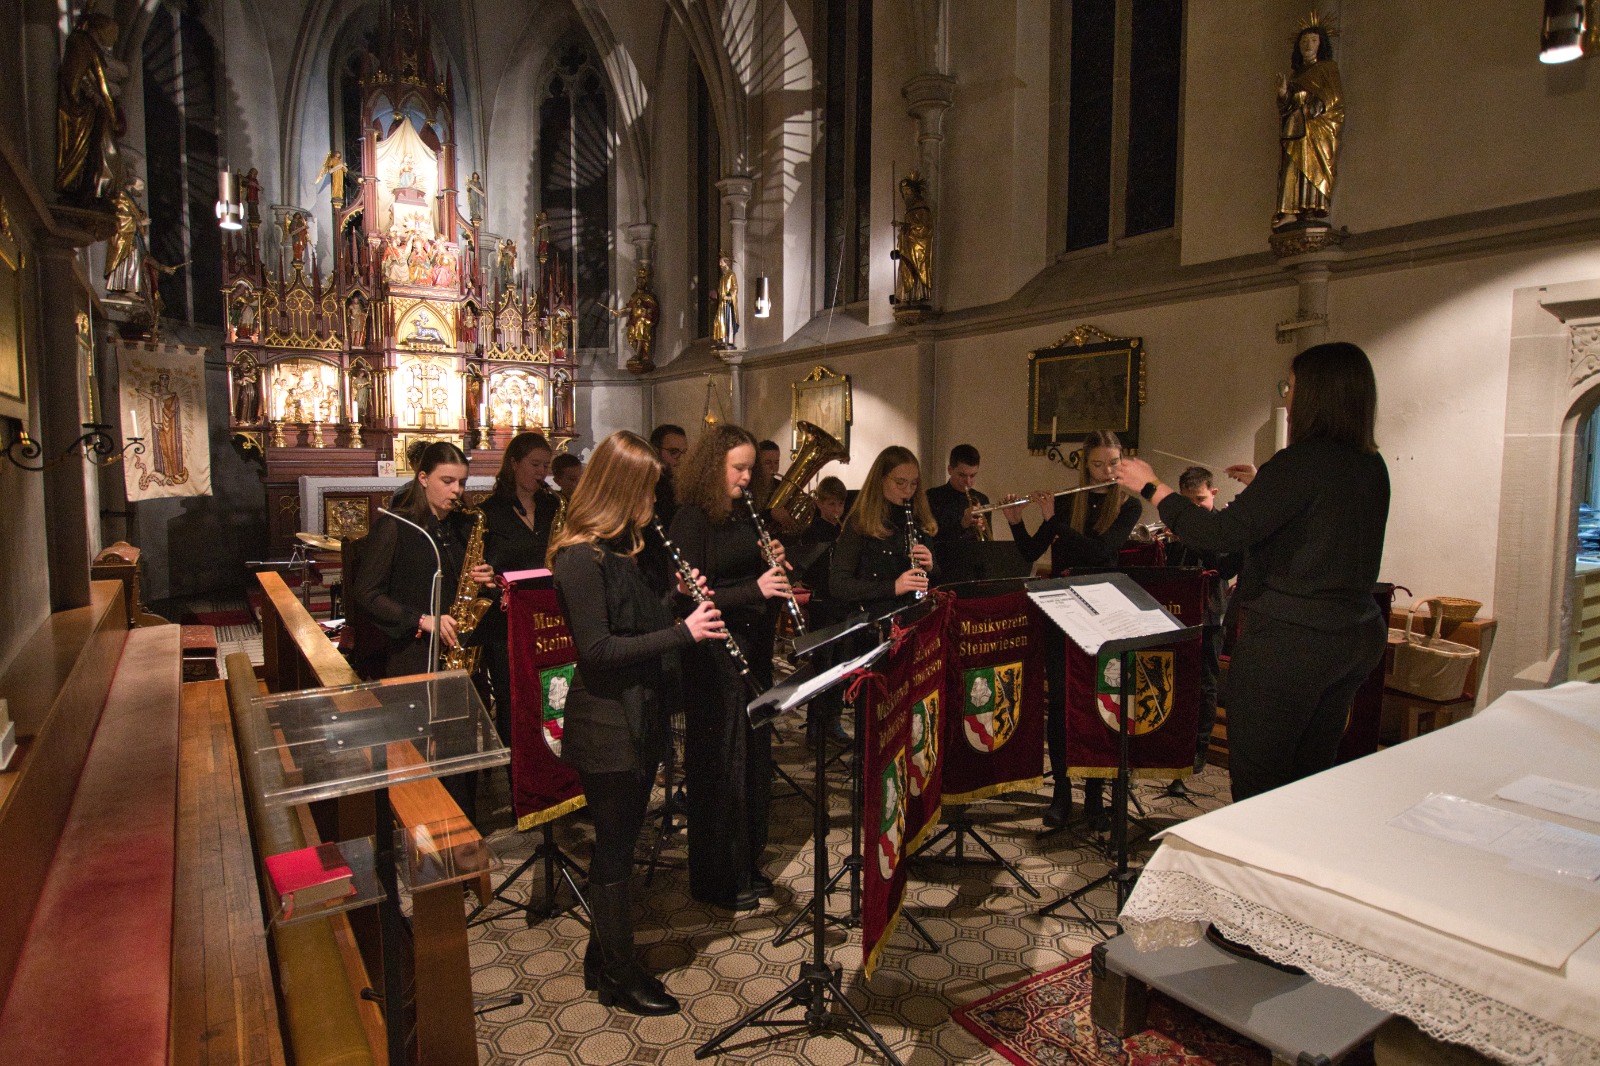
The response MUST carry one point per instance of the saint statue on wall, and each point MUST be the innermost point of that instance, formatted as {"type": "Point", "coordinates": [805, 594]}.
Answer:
{"type": "Point", "coordinates": [913, 251]}
{"type": "Point", "coordinates": [1311, 117]}
{"type": "Point", "coordinates": [641, 312]}
{"type": "Point", "coordinates": [725, 313]}
{"type": "Point", "coordinates": [88, 119]}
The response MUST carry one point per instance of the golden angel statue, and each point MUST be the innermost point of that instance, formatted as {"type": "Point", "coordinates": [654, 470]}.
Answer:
{"type": "Point", "coordinates": [725, 317]}
{"type": "Point", "coordinates": [333, 169]}
{"type": "Point", "coordinates": [1311, 113]}
{"type": "Point", "coordinates": [913, 252]}
{"type": "Point", "coordinates": [641, 311]}
{"type": "Point", "coordinates": [88, 120]}
{"type": "Point", "coordinates": [125, 252]}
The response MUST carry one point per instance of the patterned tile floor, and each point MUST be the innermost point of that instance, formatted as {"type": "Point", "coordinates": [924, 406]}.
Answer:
{"type": "Point", "coordinates": [720, 966]}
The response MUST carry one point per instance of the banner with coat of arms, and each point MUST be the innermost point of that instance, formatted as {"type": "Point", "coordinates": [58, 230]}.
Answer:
{"type": "Point", "coordinates": [1165, 716]}
{"type": "Point", "coordinates": [994, 728]}
{"type": "Point", "coordinates": [543, 662]}
{"type": "Point", "coordinates": [900, 715]}
{"type": "Point", "coordinates": [163, 399]}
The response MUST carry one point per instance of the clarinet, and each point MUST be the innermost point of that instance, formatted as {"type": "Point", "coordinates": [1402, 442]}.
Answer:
{"type": "Point", "coordinates": [698, 595]}
{"type": "Point", "coordinates": [765, 539]}
{"type": "Point", "coordinates": [911, 542]}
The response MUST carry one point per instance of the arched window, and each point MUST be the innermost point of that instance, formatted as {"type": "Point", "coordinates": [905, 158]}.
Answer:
{"type": "Point", "coordinates": [180, 132]}
{"type": "Point", "coordinates": [575, 184]}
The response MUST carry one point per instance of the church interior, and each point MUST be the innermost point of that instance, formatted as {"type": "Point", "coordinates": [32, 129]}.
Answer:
{"type": "Point", "coordinates": [253, 256]}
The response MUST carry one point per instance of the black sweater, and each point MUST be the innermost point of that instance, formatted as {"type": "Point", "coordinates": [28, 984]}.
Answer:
{"type": "Point", "coordinates": [397, 566]}
{"type": "Point", "coordinates": [864, 568]}
{"type": "Point", "coordinates": [948, 506]}
{"type": "Point", "coordinates": [627, 643]}
{"type": "Point", "coordinates": [1311, 527]}
{"type": "Point", "coordinates": [1068, 547]}
{"type": "Point", "coordinates": [509, 545]}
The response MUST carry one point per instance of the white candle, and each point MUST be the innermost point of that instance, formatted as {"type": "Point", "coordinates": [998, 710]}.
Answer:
{"type": "Point", "coordinates": [1280, 428]}
{"type": "Point", "coordinates": [136, 432]}
{"type": "Point", "coordinates": [1052, 429]}
{"type": "Point", "coordinates": [483, 414]}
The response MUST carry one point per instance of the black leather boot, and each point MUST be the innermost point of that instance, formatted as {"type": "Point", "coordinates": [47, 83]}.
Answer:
{"type": "Point", "coordinates": [594, 962]}
{"type": "Point", "coordinates": [1094, 805]}
{"type": "Point", "coordinates": [1060, 809]}
{"type": "Point", "coordinates": [620, 980]}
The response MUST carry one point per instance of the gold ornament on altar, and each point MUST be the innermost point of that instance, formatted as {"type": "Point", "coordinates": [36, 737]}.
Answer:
{"type": "Point", "coordinates": [1311, 119]}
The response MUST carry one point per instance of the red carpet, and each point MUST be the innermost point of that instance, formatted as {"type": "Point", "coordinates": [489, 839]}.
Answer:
{"type": "Point", "coordinates": [1045, 1020]}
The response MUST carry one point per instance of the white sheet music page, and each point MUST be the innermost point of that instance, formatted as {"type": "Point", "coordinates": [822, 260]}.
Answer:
{"type": "Point", "coordinates": [1094, 614]}
{"type": "Point", "coordinates": [1561, 797]}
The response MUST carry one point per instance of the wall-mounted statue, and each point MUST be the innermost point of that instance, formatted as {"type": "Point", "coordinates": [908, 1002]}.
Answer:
{"type": "Point", "coordinates": [641, 311]}
{"type": "Point", "coordinates": [246, 391]}
{"type": "Point", "coordinates": [297, 235]}
{"type": "Point", "coordinates": [475, 199]}
{"type": "Point", "coordinates": [333, 169]}
{"type": "Point", "coordinates": [126, 250]}
{"type": "Point", "coordinates": [913, 251]}
{"type": "Point", "coordinates": [1311, 113]}
{"type": "Point", "coordinates": [508, 264]}
{"type": "Point", "coordinates": [88, 120]}
{"type": "Point", "coordinates": [725, 313]}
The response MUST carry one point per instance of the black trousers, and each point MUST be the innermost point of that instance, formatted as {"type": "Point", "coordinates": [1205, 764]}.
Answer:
{"type": "Point", "coordinates": [617, 803]}
{"type": "Point", "coordinates": [1210, 668]}
{"type": "Point", "coordinates": [1055, 725]}
{"type": "Point", "coordinates": [728, 773]}
{"type": "Point", "coordinates": [1288, 698]}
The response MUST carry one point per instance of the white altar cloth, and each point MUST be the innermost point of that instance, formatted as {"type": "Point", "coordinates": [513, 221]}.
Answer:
{"type": "Point", "coordinates": [1473, 949]}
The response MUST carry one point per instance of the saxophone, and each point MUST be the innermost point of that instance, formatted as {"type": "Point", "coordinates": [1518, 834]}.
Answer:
{"type": "Point", "coordinates": [469, 605]}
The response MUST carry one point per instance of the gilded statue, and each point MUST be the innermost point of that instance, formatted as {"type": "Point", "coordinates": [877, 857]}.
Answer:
{"type": "Point", "coordinates": [508, 264]}
{"type": "Point", "coordinates": [297, 235]}
{"type": "Point", "coordinates": [725, 318]}
{"type": "Point", "coordinates": [913, 252]}
{"type": "Point", "coordinates": [641, 311]}
{"type": "Point", "coordinates": [125, 252]}
{"type": "Point", "coordinates": [333, 168]}
{"type": "Point", "coordinates": [88, 120]}
{"type": "Point", "coordinates": [1311, 113]}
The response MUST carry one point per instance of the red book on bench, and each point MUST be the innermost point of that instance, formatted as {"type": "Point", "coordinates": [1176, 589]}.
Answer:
{"type": "Point", "coordinates": [310, 876]}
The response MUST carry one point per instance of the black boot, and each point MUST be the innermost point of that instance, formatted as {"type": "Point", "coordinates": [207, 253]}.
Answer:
{"type": "Point", "coordinates": [1060, 809]}
{"type": "Point", "coordinates": [594, 962]}
{"type": "Point", "coordinates": [621, 981]}
{"type": "Point", "coordinates": [1094, 805]}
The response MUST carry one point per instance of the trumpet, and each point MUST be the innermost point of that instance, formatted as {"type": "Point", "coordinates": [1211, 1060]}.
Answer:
{"type": "Point", "coordinates": [1026, 500]}
{"type": "Point", "coordinates": [984, 533]}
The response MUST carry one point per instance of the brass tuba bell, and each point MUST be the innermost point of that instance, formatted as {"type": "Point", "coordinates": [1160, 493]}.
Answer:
{"type": "Point", "coordinates": [817, 449]}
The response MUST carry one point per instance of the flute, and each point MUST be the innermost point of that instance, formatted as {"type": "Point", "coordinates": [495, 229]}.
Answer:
{"type": "Point", "coordinates": [771, 556]}
{"type": "Point", "coordinates": [699, 595]}
{"type": "Point", "coordinates": [1027, 500]}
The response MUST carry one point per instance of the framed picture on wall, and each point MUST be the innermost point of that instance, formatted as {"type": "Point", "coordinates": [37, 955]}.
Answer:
{"type": "Point", "coordinates": [1088, 380]}
{"type": "Point", "coordinates": [823, 399]}
{"type": "Point", "coordinates": [13, 364]}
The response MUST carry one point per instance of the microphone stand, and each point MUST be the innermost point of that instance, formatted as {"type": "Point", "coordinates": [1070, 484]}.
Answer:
{"type": "Point", "coordinates": [433, 593]}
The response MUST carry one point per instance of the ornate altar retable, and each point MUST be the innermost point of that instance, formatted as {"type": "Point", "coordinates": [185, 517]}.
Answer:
{"type": "Point", "coordinates": [415, 331]}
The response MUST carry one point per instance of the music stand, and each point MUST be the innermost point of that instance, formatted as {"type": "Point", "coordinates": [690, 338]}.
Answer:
{"type": "Point", "coordinates": [1172, 633]}
{"type": "Point", "coordinates": [817, 980]}
{"type": "Point", "coordinates": [555, 861]}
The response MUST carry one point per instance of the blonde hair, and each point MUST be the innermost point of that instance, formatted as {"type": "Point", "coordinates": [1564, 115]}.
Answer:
{"type": "Point", "coordinates": [870, 514]}
{"type": "Point", "coordinates": [615, 496]}
{"type": "Point", "coordinates": [1111, 503]}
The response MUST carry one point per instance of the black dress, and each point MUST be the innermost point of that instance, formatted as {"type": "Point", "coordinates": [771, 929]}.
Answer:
{"type": "Point", "coordinates": [1311, 526]}
{"type": "Point", "coordinates": [728, 764]}
{"type": "Point", "coordinates": [509, 545]}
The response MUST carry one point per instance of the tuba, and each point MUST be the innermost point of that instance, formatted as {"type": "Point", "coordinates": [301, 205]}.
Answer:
{"type": "Point", "coordinates": [469, 605]}
{"type": "Point", "coordinates": [817, 449]}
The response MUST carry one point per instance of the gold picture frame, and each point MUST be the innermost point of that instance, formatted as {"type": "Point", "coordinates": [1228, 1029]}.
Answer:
{"type": "Point", "coordinates": [1086, 381]}
{"type": "Point", "coordinates": [13, 353]}
{"type": "Point", "coordinates": [823, 399]}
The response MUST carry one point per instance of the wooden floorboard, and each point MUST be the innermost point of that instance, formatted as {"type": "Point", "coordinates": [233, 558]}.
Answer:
{"type": "Point", "coordinates": [224, 1011]}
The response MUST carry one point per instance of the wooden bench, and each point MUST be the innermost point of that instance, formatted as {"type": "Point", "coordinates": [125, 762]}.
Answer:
{"type": "Point", "coordinates": [297, 654]}
{"type": "Point", "coordinates": [88, 838]}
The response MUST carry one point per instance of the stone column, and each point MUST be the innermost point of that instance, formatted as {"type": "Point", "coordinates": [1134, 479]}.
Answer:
{"type": "Point", "coordinates": [927, 408]}
{"type": "Point", "coordinates": [735, 205]}
{"type": "Point", "coordinates": [736, 389]}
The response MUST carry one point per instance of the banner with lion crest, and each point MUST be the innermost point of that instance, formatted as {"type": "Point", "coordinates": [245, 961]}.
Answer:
{"type": "Point", "coordinates": [994, 725]}
{"type": "Point", "coordinates": [163, 393]}
{"type": "Point", "coordinates": [543, 660]}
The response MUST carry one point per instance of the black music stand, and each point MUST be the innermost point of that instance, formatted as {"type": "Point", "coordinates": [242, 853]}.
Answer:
{"type": "Point", "coordinates": [1121, 874]}
{"type": "Point", "coordinates": [818, 980]}
{"type": "Point", "coordinates": [555, 862]}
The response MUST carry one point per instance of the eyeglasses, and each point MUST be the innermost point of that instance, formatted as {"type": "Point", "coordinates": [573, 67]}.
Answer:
{"type": "Point", "coordinates": [905, 484]}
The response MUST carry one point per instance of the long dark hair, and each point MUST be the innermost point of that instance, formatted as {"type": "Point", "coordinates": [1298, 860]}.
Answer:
{"type": "Point", "coordinates": [414, 502]}
{"type": "Point", "coordinates": [1335, 397]}
{"type": "Point", "coordinates": [505, 482]}
{"type": "Point", "coordinates": [702, 475]}
{"type": "Point", "coordinates": [1110, 503]}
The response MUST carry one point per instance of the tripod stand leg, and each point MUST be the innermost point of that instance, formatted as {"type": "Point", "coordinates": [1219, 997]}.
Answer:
{"type": "Point", "coordinates": [921, 930]}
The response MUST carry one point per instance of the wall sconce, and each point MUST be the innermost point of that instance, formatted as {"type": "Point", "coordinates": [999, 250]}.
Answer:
{"type": "Point", "coordinates": [763, 297]}
{"type": "Point", "coordinates": [96, 445]}
{"type": "Point", "coordinates": [230, 212]}
{"type": "Point", "coordinates": [1562, 38]}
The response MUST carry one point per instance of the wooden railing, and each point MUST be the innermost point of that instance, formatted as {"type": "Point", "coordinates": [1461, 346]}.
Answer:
{"type": "Point", "coordinates": [299, 655]}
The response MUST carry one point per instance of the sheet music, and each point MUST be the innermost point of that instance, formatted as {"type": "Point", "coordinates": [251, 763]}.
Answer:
{"type": "Point", "coordinates": [1094, 614]}
{"type": "Point", "coordinates": [810, 688]}
{"type": "Point", "coordinates": [1561, 797]}
{"type": "Point", "coordinates": [1527, 841]}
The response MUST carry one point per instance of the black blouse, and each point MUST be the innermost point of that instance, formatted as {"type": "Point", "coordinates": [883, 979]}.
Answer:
{"type": "Point", "coordinates": [1070, 548]}
{"type": "Point", "coordinates": [397, 565]}
{"type": "Point", "coordinates": [865, 568]}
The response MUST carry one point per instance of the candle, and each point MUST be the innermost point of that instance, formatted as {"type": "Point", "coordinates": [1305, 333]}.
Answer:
{"type": "Point", "coordinates": [483, 414]}
{"type": "Point", "coordinates": [352, 408]}
{"type": "Point", "coordinates": [1052, 429]}
{"type": "Point", "coordinates": [136, 432]}
{"type": "Point", "coordinates": [1280, 428]}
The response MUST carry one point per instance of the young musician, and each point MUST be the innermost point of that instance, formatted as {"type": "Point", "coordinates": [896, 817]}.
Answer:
{"type": "Point", "coordinates": [1089, 529]}
{"type": "Point", "coordinates": [727, 763]}
{"type": "Point", "coordinates": [1221, 567]}
{"type": "Point", "coordinates": [518, 517]}
{"type": "Point", "coordinates": [1311, 525]}
{"type": "Point", "coordinates": [670, 443]}
{"type": "Point", "coordinates": [394, 585]}
{"type": "Point", "coordinates": [616, 714]}
{"type": "Point", "coordinates": [953, 502]}
{"type": "Point", "coordinates": [565, 470]}
{"type": "Point", "coordinates": [874, 566]}
{"type": "Point", "coordinates": [823, 610]}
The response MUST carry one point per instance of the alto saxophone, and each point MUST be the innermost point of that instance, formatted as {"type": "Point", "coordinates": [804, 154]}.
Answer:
{"type": "Point", "coordinates": [469, 605]}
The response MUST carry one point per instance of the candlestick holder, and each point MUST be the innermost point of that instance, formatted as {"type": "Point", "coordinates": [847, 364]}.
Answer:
{"type": "Point", "coordinates": [96, 445]}
{"type": "Point", "coordinates": [276, 440]}
{"type": "Point", "coordinates": [316, 434]}
{"type": "Point", "coordinates": [485, 438]}
{"type": "Point", "coordinates": [355, 435]}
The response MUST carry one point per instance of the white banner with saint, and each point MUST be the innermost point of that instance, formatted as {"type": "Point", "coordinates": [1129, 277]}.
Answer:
{"type": "Point", "coordinates": [163, 391]}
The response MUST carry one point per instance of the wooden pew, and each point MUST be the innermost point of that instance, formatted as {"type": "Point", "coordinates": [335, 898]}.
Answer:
{"type": "Point", "coordinates": [299, 655]}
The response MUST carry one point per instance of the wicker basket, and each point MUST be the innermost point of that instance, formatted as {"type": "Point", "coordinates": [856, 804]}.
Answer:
{"type": "Point", "coordinates": [1455, 609]}
{"type": "Point", "coordinates": [1430, 667]}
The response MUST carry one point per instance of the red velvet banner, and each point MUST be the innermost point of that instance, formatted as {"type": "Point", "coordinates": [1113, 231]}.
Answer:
{"type": "Point", "coordinates": [542, 663]}
{"type": "Point", "coordinates": [900, 711]}
{"type": "Point", "coordinates": [994, 695]}
{"type": "Point", "coordinates": [1165, 716]}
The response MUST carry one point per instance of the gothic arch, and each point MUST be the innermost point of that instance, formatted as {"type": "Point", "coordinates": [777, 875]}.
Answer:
{"type": "Point", "coordinates": [729, 98]}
